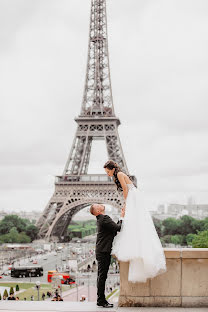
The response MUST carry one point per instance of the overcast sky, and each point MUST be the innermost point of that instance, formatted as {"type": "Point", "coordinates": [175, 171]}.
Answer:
{"type": "Point", "coordinates": [159, 69]}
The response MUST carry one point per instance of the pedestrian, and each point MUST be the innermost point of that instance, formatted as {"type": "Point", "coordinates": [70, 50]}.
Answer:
{"type": "Point", "coordinates": [43, 296]}
{"type": "Point", "coordinates": [11, 297]}
{"type": "Point", "coordinates": [49, 294]}
{"type": "Point", "coordinates": [17, 298]}
{"type": "Point", "coordinates": [83, 298]}
{"type": "Point", "coordinates": [54, 298]}
{"type": "Point", "coordinates": [32, 298]}
{"type": "Point", "coordinates": [59, 298]}
{"type": "Point", "coordinates": [56, 292]}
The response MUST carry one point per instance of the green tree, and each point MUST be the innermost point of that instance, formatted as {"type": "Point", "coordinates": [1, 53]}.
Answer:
{"type": "Point", "coordinates": [198, 225]}
{"type": "Point", "coordinates": [177, 239]}
{"type": "Point", "coordinates": [204, 224]}
{"type": "Point", "coordinates": [17, 287]}
{"type": "Point", "coordinates": [5, 227]}
{"type": "Point", "coordinates": [200, 240]}
{"type": "Point", "coordinates": [167, 239]}
{"type": "Point", "coordinates": [189, 238]}
{"type": "Point", "coordinates": [5, 293]}
{"type": "Point", "coordinates": [11, 221]}
{"type": "Point", "coordinates": [162, 241]}
{"type": "Point", "coordinates": [32, 231]}
{"type": "Point", "coordinates": [0, 296]}
{"type": "Point", "coordinates": [23, 238]}
{"type": "Point", "coordinates": [12, 235]}
{"type": "Point", "coordinates": [158, 226]}
{"type": "Point", "coordinates": [187, 225]}
{"type": "Point", "coordinates": [11, 291]}
{"type": "Point", "coordinates": [170, 226]}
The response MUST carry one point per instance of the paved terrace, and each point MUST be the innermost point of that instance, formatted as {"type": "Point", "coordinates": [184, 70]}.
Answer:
{"type": "Point", "coordinates": [81, 307]}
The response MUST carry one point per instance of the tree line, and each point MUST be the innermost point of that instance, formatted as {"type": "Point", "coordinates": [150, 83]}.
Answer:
{"type": "Point", "coordinates": [185, 231]}
{"type": "Point", "coordinates": [14, 229]}
{"type": "Point", "coordinates": [81, 229]}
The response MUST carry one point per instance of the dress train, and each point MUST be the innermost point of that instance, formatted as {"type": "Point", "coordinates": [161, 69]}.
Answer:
{"type": "Point", "coordinates": [138, 241]}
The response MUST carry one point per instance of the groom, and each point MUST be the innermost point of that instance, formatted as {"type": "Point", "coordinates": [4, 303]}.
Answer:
{"type": "Point", "coordinates": [106, 231]}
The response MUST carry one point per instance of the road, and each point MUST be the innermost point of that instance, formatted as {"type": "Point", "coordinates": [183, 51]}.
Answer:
{"type": "Point", "coordinates": [55, 260]}
{"type": "Point", "coordinates": [51, 263]}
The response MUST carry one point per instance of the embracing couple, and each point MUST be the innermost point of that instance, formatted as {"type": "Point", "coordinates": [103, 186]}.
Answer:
{"type": "Point", "coordinates": [133, 238]}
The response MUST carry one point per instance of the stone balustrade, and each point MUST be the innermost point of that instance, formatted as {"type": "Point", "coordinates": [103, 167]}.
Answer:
{"type": "Point", "coordinates": [185, 284]}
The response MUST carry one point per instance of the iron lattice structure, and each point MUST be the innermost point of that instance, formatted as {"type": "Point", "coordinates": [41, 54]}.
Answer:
{"type": "Point", "coordinates": [76, 189]}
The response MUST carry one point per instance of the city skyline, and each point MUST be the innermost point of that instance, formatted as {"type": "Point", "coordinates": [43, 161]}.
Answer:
{"type": "Point", "coordinates": [159, 69]}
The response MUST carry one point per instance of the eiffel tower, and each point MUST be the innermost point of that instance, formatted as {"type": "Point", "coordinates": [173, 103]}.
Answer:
{"type": "Point", "coordinates": [75, 189]}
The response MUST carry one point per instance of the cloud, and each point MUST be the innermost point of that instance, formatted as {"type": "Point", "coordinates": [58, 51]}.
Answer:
{"type": "Point", "coordinates": [159, 68]}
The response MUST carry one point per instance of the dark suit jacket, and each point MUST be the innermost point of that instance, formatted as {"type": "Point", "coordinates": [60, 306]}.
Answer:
{"type": "Point", "coordinates": [106, 231]}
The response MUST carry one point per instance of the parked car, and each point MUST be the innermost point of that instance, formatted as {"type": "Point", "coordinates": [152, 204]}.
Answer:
{"type": "Point", "coordinates": [1, 276]}
{"type": "Point", "coordinates": [35, 261]}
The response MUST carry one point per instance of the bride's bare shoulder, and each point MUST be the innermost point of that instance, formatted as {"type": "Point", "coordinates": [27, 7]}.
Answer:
{"type": "Point", "coordinates": [123, 176]}
{"type": "Point", "coordinates": [120, 174]}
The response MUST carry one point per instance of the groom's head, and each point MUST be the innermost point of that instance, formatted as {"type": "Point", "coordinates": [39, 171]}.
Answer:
{"type": "Point", "coordinates": [97, 209]}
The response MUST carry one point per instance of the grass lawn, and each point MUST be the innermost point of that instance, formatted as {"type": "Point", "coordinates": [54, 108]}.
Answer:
{"type": "Point", "coordinates": [21, 285]}
{"type": "Point", "coordinates": [30, 289]}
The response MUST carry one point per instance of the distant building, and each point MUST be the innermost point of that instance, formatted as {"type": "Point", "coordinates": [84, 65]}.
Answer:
{"type": "Point", "coordinates": [16, 246]}
{"type": "Point", "coordinates": [178, 210]}
{"type": "Point", "coordinates": [31, 215]}
{"type": "Point", "coordinates": [3, 214]}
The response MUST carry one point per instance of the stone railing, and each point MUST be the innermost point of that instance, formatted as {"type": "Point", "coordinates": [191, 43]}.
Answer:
{"type": "Point", "coordinates": [87, 261]}
{"type": "Point", "coordinates": [185, 284]}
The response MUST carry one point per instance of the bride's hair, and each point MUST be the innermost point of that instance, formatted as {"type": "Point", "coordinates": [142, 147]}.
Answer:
{"type": "Point", "coordinates": [110, 164]}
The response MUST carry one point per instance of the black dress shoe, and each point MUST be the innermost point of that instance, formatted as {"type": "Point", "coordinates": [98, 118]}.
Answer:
{"type": "Point", "coordinates": [100, 304]}
{"type": "Point", "coordinates": [105, 305]}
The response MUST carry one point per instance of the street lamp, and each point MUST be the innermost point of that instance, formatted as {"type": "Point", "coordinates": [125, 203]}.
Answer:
{"type": "Point", "coordinates": [88, 286]}
{"type": "Point", "coordinates": [77, 285]}
{"type": "Point", "coordinates": [38, 289]}
{"type": "Point", "coordinates": [60, 276]}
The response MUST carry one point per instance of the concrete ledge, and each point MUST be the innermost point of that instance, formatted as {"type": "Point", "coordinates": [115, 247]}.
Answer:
{"type": "Point", "coordinates": [197, 253]}
{"type": "Point", "coordinates": [172, 253]}
{"type": "Point", "coordinates": [185, 284]}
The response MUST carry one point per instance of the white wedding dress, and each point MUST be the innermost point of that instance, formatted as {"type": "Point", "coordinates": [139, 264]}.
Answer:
{"type": "Point", "coordinates": [138, 241]}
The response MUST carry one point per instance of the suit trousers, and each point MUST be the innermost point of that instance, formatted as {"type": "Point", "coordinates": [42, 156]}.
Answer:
{"type": "Point", "coordinates": [103, 260]}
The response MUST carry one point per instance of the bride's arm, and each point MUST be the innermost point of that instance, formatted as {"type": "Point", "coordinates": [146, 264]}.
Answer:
{"type": "Point", "coordinates": [121, 179]}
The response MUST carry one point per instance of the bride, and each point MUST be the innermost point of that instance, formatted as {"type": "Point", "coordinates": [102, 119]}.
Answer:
{"type": "Point", "coordinates": [138, 241]}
